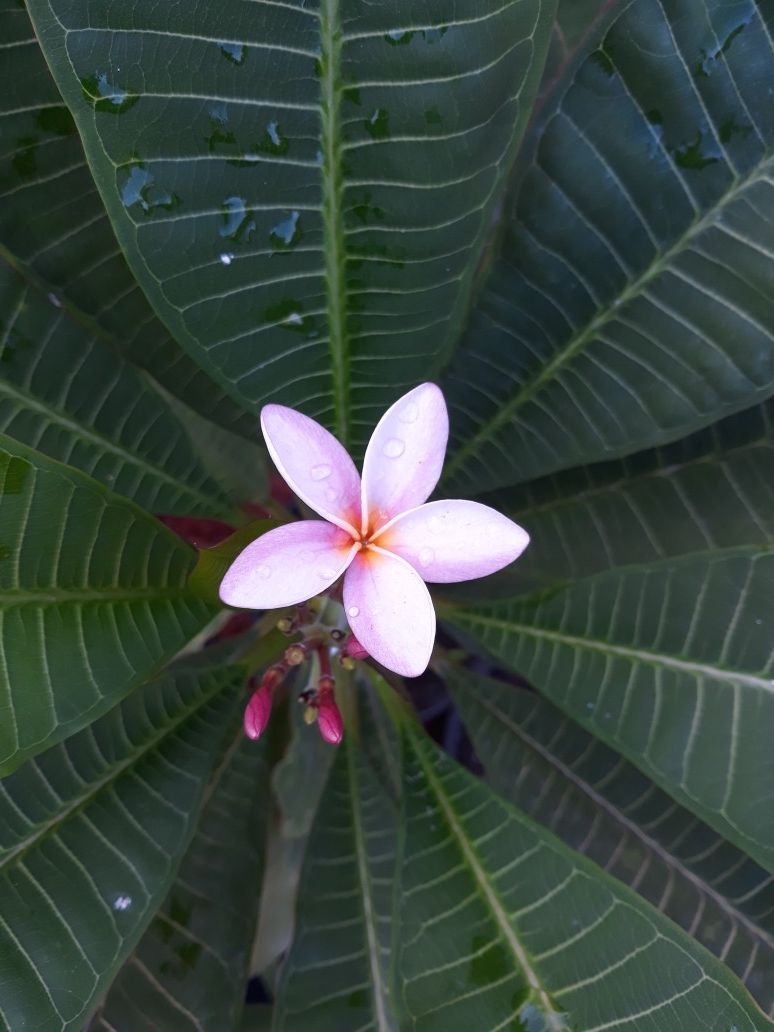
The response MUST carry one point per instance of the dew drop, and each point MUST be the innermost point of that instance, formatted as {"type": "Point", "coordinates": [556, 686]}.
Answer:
{"type": "Point", "coordinates": [122, 902]}
{"type": "Point", "coordinates": [54, 300]}
{"type": "Point", "coordinates": [409, 413]}
{"type": "Point", "coordinates": [321, 472]}
{"type": "Point", "coordinates": [434, 525]}
{"type": "Point", "coordinates": [426, 556]}
{"type": "Point", "coordinates": [353, 611]}
{"type": "Point", "coordinates": [330, 494]}
{"type": "Point", "coordinates": [286, 233]}
{"type": "Point", "coordinates": [226, 259]}
{"type": "Point", "coordinates": [295, 319]}
{"type": "Point", "coordinates": [234, 52]}
{"type": "Point", "coordinates": [394, 448]}
{"type": "Point", "coordinates": [264, 572]}
{"type": "Point", "coordinates": [327, 572]}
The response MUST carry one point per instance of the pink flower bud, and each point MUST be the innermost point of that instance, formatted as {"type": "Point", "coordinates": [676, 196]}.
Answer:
{"type": "Point", "coordinates": [354, 649]}
{"type": "Point", "coordinates": [257, 712]}
{"type": "Point", "coordinates": [329, 721]}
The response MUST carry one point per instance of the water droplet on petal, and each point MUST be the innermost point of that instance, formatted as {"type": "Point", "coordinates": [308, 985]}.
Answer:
{"type": "Point", "coordinates": [226, 258]}
{"type": "Point", "coordinates": [353, 611]}
{"type": "Point", "coordinates": [327, 572]}
{"type": "Point", "coordinates": [264, 572]}
{"type": "Point", "coordinates": [426, 556]}
{"type": "Point", "coordinates": [434, 525]}
{"type": "Point", "coordinates": [330, 494]}
{"type": "Point", "coordinates": [320, 472]}
{"type": "Point", "coordinates": [394, 448]}
{"type": "Point", "coordinates": [409, 413]}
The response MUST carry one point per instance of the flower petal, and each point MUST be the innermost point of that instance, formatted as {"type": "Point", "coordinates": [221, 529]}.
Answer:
{"type": "Point", "coordinates": [404, 456]}
{"type": "Point", "coordinates": [313, 464]}
{"type": "Point", "coordinates": [454, 540]}
{"type": "Point", "coordinates": [390, 611]}
{"type": "Point", "coordinates": [287, 565]}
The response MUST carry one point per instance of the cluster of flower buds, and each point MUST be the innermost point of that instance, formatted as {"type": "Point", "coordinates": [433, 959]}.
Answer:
{"type": "Point", "coordinates": [320, 700]}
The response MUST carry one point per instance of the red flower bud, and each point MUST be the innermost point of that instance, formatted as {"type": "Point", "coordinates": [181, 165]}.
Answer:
{"type": "Point", "coordinates": [353, 648]}
{"type": "Point", "coordinates": [329, 721]}
{"type": "Point", "coordinates": [257, 712]}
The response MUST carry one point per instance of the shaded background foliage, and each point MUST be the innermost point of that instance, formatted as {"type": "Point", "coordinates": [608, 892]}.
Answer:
{"type": "Point", "coordinates": [561, 213]}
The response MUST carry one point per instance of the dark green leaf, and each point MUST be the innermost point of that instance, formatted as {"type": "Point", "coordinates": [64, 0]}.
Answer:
{"type": "Point", "coordinates": [633, 302]}
{"type": "Point", "coordinates": [92, 834]}
{"type": "Point", "coordinates": [212, 563]}
{"type": "Point", "coordinates": [53, 222]}
{"type": "Point", "coordinates": [651, 588]}
{"type": "Point", "coordinates": [336, 977]}
{"type": "Point", "coordinates": [503, 927]}
{"type": "Point", "coordinates": [305, 198]}
{"type": "Point", "coordinates": [66, 392]}
{"type": "Point", "coordinates": [93, 600]}
{"type": "Point", "coordinates": [190, 968]}
{"type": "Point", "coordinates": [602, 806]}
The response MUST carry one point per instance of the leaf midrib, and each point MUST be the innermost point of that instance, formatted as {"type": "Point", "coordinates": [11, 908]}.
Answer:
{"type": "Point", "coordinates": [578, 341]}
{"type": "Point", "coordinates": [631, 826]}
{"type": "Point", "coordinates": [695, 669]}
{"type": "Point", "coordinates": [378, 989]}
{"type": "Point", "coordinates": [494, 904]}
{"type": "Point", "coordinates": [332, 212]}
{"type": "Point", "coordinates": [112, 775]}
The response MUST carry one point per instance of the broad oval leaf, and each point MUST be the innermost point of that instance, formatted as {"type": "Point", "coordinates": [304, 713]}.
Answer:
{"type": "Point", "coordinates": [53, 224]}
{"type": "Point", "coordinates": [65, 392]}
{"type": "Point", "coordinates": [92, 600]}
{"type": "Point", "coordinates": [645, 614]}
{"type": "Point", "coordinates": [632, 302]}
{"type": "Point", "coordinates": [190, 968]}
{"type": "Point", "coordinates": [597, 803]}
{"type": "Point", "coordinates": [502, 926]}
{"type": "Point", "coordinates": [304, 199]}
{"type": "Point", "coordinates": [92, 834]}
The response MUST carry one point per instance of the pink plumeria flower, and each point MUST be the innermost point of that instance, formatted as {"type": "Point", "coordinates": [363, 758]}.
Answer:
{"type": "Point", "coordinates": [380, 532]}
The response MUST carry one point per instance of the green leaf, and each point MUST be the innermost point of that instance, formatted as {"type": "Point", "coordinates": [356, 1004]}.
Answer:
{"type": "Point", "coordinates": [241, 467]}
{"type": "Point", "coordinates": [92, 600]}
{"type": "Point", "coordinates": [92, 834]}
{"type": "Point", "coordinates": [66, 392]}
{"type": "Point", "coordinates": [646, 616]}
{"type": "Point", "coordinates": [53, 225]}
{"type": "Point", "coordinates": [632, 303]}
{"type": "Point", "coordinates": [502, 926]}
{"type": "Point", "coordinates": [297, 780]}
{"type": "Point", "coordinates": [190, 968]}
{"type": "Point", "coordinates": [212, 563]}
{"type": "Point", "coordinates": [602, 806]}
{"type": "Point", "coordinates": [336, 976]}
{"type": "Point", "coordinates": [311, 234]}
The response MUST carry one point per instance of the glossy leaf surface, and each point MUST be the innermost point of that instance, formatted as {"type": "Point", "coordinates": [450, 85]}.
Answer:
{"type": "Point", "coordinates": [599, 804]}
{"type": "Point", "coordinates": [503, 927]}
{"type": "Point", "coordinates": [632, 302]}
{"type": "Point", "coordinates": [308, 235]}
{"type": "Point", "coordinates": [66, 392]}
{"type": "Point", "coordinates": [92, 598]}
{"type": "Point", "coordinates": [53, 224]}
{"type": "Point", "coordinates": [92, 834]}
{"type": "Point", "coordinates": [189, 970]}
{"type": "Point", "coordinates": [646, 614]}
